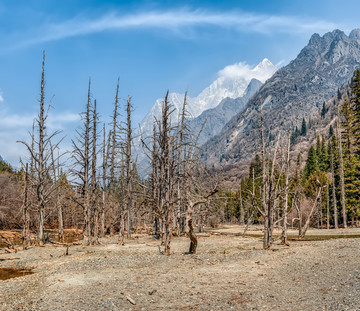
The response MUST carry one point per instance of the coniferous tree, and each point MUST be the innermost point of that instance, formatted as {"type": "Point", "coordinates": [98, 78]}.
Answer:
{"type": "Point", "coordinates": [311, 163]}
{"type": "Point", "coordinates": [255, 166]}
{"type": "Point", "coordinates": [339, 94]}
{"type": "Point", "coordinates": [323, 156]}
{"type": "Point", "coordinates": [351, 124]}
{"type": "Point", "coordinates": [323, 111]}
{"type": "Point", "coordinates": [303, 128]}
{"type": "Point", "coordinates": [355, 103]}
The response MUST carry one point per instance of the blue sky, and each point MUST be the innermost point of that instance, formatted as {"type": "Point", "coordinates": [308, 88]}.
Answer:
{"type": "Point", "coordinates": [151, 45]}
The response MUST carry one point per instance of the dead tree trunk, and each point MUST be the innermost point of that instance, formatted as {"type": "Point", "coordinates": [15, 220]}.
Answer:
{"type": "Point", "coordinates": [105, 156]}
{"type": "Point", "coordinates": [26, 231]}
{"type": "Point", "coordinates": [123, 195]}
{"type": "Point", "coordinates": [193, 238]}
{"type": "Point", "coordinates": [94, 209]}
{"type": "Point", "coordinates": [82, 166]}
{"type": "Point", "coordinates": [129, 181]}
{"type": "Point", "coordinates": [242, 216]}
{"type": "Point", "coordinates": [40, 159]}
{"type": "Point", "coordinates": [86, 166]}
{"type": "Point", "coordinates": [307, 223]}
{"type": "Point", "coordinates": [58, 180]}
{"type": "Point", "coordinates": [253, 204]}
{"type": "Point", "coordinates": [341, 173]}
{"type": "Point", "coordinates": [333, 190]}
{"type": "Point", "coordinates": [166, 173]}
{"type": "Point", "coordinates": [327, 205]}
{"type": "Point", "coordinates": [267, 214]}
{"type": "Point", "coordinates": [271, 198]}
{"type": "Point", "coordinates": [115, 206]}
{"type": "Point", "coordinates": [286, 196]}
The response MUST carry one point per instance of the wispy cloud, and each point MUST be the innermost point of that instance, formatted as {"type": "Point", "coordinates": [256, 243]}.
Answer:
{"type": "Point", "coordinates": [54, 121]}
{"type": "Point", "coordinates": [15, 127]}
{"type": "Point", "coordinates": [176, 21]}
{"type": "Point", "coordinates": [262, 71]}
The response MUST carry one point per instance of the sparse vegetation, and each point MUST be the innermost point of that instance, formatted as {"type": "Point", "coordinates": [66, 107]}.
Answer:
{"type": "Point", "coordinates": [101, 194]}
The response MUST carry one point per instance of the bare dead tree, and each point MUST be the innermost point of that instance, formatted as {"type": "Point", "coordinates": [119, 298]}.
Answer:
{"type": "Point", "coordinates": [242, 212]}
{"type": "Point", "coordinates": [58, 178]}
{"type": "Point", "coordinates": [154, 185]}
{"type": "Point", "coordinates": [192, 205]}
{"type": "Point", "coordinates": [333, 189]}
{"type": "Point", "coordinates": [114, 138]}
{"type": "Point", "coordinates": [122, 192]}
{"type": "Point", "coordinates": [253, 205]}
{"type": "Point", "coordinates": [327, 205]}
{"type": "Point", "coordinates": [94, 207]}
{"type": "Point", "coordinates": [265, 207]}
{"type": "Point", "coordinates": [166, 172]}
{"type": "Point", "coordinates": [82, 165]}
{"type": "Point", "coordinates": [105, 157]}
{"type": "Point", "coordinates": [25, 209]}
{"type": "Point", "coordinates": [316, 202]}
{"type": "Point", "coordinates": [115, 150]}
{"type": "Point", "coordinates": [40, 154]}
{"type": "Point", "coordinates": [341, 173]}
{"type": "Point", "coordinates": [173, 190]}
{"type": "Point", "coordinates": [128, 165]}
{"type": "Point", "coordinates": [286, 192]}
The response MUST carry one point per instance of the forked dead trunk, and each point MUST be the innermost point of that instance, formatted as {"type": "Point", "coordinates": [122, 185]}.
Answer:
{"type": "Point", "coordinates": [193, 238]}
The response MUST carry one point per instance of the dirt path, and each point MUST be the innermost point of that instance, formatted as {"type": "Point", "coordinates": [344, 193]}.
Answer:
{"type": "Point", "coordinates": [228, 273]}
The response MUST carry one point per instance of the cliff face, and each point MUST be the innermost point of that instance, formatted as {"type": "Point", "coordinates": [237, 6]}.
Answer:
{"type": "Point", "coordinates": [294, 92]}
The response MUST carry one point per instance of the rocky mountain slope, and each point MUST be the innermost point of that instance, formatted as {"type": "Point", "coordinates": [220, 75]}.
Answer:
{"type": "Point", "coordinates": [211, 121]}
{"type": "Point", "coordinates": [231, 83]}
{"type": "Point", "coordinates": [294, 92]}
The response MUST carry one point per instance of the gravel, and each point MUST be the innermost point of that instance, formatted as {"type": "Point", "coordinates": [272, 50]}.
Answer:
{"type": "Point", "coordinates": [228, 273]}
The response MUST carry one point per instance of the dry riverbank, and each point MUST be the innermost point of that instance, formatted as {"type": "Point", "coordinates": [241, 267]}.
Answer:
{"type": "Point", "coordinates": [229, 272]}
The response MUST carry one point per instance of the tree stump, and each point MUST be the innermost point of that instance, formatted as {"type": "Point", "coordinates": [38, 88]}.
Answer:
{"type": "Point", "coordinates": [193, 238]}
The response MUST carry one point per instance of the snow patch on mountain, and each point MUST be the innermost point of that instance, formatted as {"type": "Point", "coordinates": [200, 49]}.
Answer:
{"type": "Point", "coordinates": [232, 82]}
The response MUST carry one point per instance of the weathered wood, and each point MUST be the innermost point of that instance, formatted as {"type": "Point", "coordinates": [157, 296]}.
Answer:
{"type": "Point", "coordinates": [307, 223]}
{"type": "Point", "coordinates": [132, 301]}
{"type": "Point", "coordinates": [336, 223]}
{"type": "Point", "coordinates": [193, 238]}
{"type": "Point", "coordinates": [286, 193]}
{"type": "Point", "coordinates": [341, 173]}
{"type": "Point", "coordinates": [25, 208]}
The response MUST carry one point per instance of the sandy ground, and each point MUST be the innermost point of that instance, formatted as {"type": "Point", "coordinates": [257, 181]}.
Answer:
{"type": "Point", "coordinates": [229, 272]}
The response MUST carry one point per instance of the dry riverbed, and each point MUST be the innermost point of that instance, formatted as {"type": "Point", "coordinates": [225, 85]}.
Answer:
{"type": "Point", "coordinates": [229, 272]}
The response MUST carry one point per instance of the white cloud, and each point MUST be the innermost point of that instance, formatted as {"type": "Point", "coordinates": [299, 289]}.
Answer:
{"type": "Point", "coordinates": [236, 70]}
{"type": "Point", "coordinates": [262, 71]}
{"type": "Point", "coordinates": [57, 121]}
{"type": "Point", "coordinates": [176, 20]}
{"type": "Point", "coordinates": [12, 121]}
{"type": "Point", "coordinates": [1, 98]}
{"type": "Point", "coordinates": [14, 127]}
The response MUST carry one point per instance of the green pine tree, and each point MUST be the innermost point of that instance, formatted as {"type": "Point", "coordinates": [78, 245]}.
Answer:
{"type": "Point", "coordinates": [303, 128]}
{"type": "Point", "coordinates": [323, 111]}
{"type": "Point", "coordinates": [355, 105]}
{"type": "Point", "coordinates": [311, 163]}
{"type": "Point", "coordinates": [323, 156]}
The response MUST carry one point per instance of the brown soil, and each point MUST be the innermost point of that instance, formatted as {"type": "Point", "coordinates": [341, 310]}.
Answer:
{"type": "Point", "coordinates": [228, 272]}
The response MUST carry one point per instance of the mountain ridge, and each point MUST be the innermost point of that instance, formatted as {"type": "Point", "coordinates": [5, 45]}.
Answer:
{"type": "Point", "coordinates": [294, 92]}
{"type": "Point", "coordinates": [230, 83]}
{"type": "Point", "coordinates": [210, 122]}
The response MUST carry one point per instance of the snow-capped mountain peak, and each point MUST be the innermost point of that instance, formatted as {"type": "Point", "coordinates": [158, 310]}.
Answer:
{"type": "Point", "coordinates": [232, 82]}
